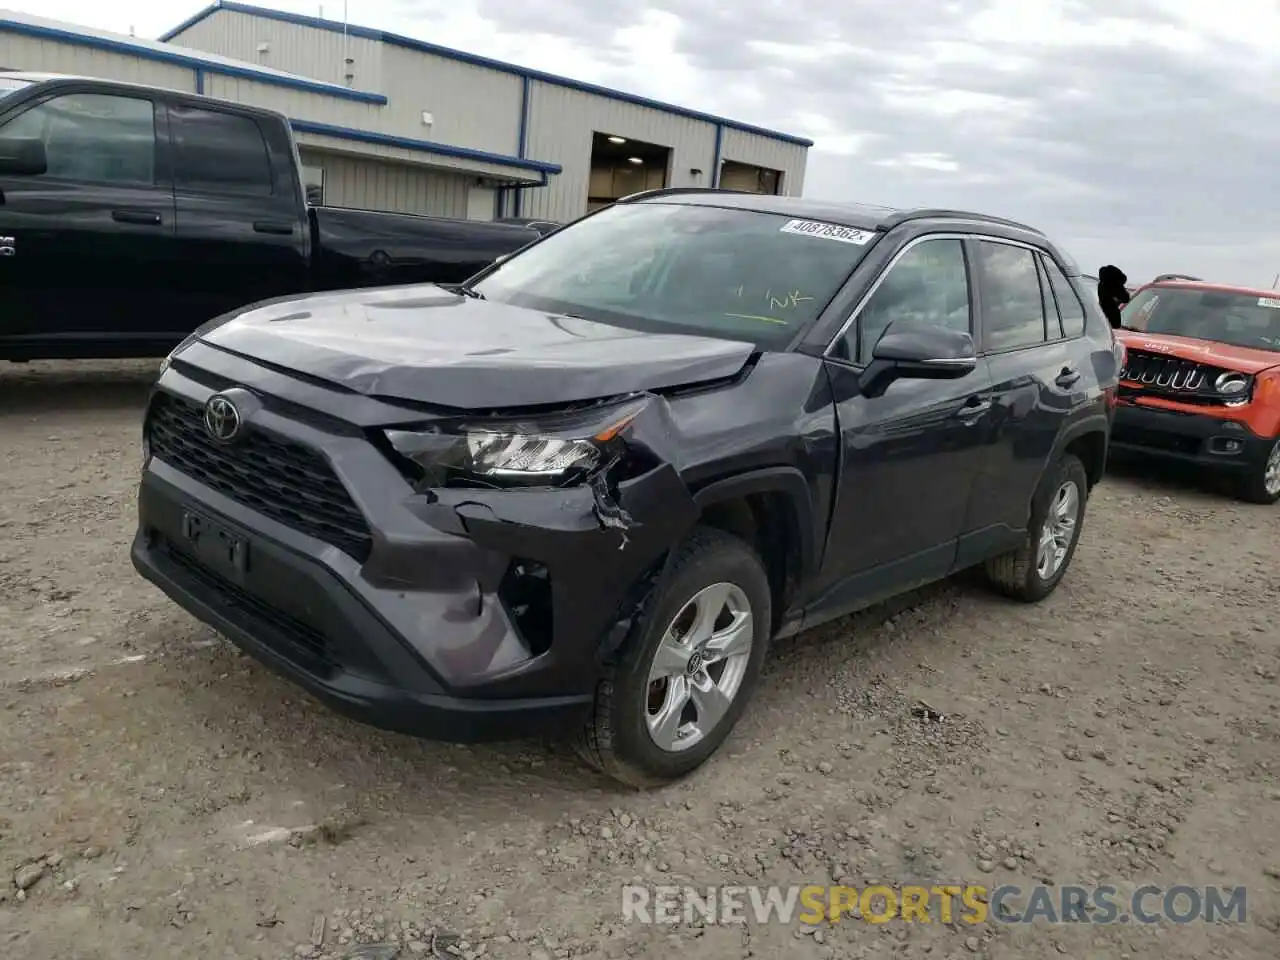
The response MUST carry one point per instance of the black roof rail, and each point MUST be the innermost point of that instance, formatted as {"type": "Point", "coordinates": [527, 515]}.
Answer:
{"type": "Point", "coordinates": [927, 213]}
{"type": "Point", "coordinates": [670, 192]}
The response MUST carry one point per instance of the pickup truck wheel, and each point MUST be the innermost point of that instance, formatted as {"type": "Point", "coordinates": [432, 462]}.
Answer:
{"type": "Point", "coordinates": [682, 683]}
{"type": "Point", "coordinates": [1032, 571]}
{"type": "Point", "coordinates": [1260, 482]}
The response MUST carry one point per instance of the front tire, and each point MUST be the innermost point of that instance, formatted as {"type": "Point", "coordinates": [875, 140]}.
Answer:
{"type": "Point", "coordinates": [1033, 570]}
{"type": "Point", "coordinates": [682, 684]}
{"type": "Point", "coordinates": [1261, 481]}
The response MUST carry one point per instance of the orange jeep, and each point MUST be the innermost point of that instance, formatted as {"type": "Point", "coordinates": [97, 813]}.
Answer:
{"type": "Point", "coordinates": [1201, 380]}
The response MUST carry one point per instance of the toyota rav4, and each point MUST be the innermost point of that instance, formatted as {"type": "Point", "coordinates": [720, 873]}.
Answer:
{"type": "Point", "coordinates": [1202, 381]}
{"type": "Point", "coordinates": [586, 489]}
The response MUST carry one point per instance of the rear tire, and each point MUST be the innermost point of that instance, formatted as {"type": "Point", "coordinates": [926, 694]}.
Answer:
{"type": "Point", "coordinates": [1033, 570]}
{"type": "Point", "coordinates": [1260, 482]}
{"type": "Point", "coordinates": [705, 630]}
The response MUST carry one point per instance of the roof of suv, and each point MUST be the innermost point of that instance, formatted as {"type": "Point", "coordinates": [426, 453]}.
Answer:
{"type": "Point", "coordinates": [859, 216]}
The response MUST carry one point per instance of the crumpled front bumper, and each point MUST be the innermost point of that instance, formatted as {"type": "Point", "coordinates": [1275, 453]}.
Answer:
{"type": "Point", "coordinates": [431, 634]}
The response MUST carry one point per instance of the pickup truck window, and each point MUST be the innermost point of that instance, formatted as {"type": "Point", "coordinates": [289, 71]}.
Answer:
{"type": "Point", "coordinates": [218, 152]}
{"type": "Point", "coordinates": [94, 138]}
{"type": "Point", "coordinates": [684, 268]}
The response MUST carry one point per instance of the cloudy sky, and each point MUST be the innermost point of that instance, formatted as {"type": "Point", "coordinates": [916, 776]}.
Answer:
{"type": "Point", "coordinates": [1140, 132]}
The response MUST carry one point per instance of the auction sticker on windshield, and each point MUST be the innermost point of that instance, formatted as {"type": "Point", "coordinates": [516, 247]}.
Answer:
{"type": "Point", "coordinates": [828, 231]}
{"type": "Point", "coordinates": [1272, 302]}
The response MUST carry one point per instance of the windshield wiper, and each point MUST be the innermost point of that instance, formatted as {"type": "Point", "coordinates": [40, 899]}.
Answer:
{"type": "Point", "coordinates": [473, 294]}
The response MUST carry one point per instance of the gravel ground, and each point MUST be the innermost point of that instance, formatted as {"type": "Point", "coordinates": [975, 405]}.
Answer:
{"type": "Point", "coordinates": [162, 796]}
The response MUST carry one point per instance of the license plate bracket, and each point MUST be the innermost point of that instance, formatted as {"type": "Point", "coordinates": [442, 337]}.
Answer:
{"type": "Point", "coordinates": [216, 545]}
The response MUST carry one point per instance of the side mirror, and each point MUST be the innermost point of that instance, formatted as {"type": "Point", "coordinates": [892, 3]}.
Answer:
{"type": "Point", "coordinates": [22, 157]}
{"type": "Point", "coordinates": [930, 354]}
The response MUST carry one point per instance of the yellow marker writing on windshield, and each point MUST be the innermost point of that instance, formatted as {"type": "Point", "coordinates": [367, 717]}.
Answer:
{"type": "Point", "coordinates": [756, 316]}
{"type": "Point", "coordinates": [789, 300]}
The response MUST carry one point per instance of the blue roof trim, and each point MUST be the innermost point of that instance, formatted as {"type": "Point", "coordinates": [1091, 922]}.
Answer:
{"type": "Point", "coordinates": [382, 36]}
{"type": "Point", "coordinates": [40, 32]}
{"type": "Point", "coordinates": [425, 146]}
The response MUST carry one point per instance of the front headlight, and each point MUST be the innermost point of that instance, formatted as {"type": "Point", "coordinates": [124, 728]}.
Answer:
{"type": "Point", "coordinates": [546, 451]}
{"type": "Point", "coordinates": [1231, 384]}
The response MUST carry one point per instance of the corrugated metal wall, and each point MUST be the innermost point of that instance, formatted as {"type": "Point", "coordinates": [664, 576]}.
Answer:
{"type": "Point", "coordinates": [470, 106]}
{"type": "Point", "coordinates": [27, 53]}
{"type": "Point", "coordinates": [308, 53]}
{"type": "Point", "coordinates": [378, 185]}
{"type": "Point", "coordinates": [561, 122]}
{"type": "Point", "coordinates": [761, 151]}
{"type": "Point", "coordinates": [298, 104]}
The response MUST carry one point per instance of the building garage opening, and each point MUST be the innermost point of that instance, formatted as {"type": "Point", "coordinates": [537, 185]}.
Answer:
{"type": "Point", "coordinates": [749, 178]}
{"type": "Point", "coordinates": [621, 166]}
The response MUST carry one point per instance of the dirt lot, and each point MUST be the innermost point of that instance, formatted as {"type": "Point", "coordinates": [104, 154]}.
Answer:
{"type": "Point", "coordinates": [163, 797]}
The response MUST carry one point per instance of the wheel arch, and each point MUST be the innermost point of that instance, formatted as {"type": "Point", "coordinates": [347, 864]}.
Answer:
{"type": "Point", "coordinates": [772, 509]}
{"type": "Point", "coordinates": [1088, 439]}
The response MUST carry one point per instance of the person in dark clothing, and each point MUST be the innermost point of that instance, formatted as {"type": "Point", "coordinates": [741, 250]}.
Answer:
{"type": "Point", "coordinates": [1112, 295]}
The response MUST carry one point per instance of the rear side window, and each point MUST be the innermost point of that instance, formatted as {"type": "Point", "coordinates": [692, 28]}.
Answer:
{"type": "Point", "coordinates": [1069, 306]}
{"type": "Point", "coordinates": [217, 152]}
{"type": "Point", "coordinates": [93, 137]}
{"type": "Point", "coordinates": [1012, 302]}
{"type": "Point", "coordinates": [1052, 322]}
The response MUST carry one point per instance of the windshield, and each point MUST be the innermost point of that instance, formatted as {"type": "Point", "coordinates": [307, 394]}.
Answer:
{"type": "Point", "coordinates": [1242, 320]}
{"type": "Point", "coordinates": [10, 85]}
{"type": "Point", "coordinates": [674, 268]}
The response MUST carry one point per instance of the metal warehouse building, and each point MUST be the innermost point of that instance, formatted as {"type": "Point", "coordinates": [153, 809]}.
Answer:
{"type": "Point", "coordinates": [387, 122]}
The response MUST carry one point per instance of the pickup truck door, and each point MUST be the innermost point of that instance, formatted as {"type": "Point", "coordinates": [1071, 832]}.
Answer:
{"type": "Point", "coordinates": [242, 229]}
{"type": "Point", "coordinates": [1039, 370]}
{"type": "Point", "coordinates": [84, 246]}
{"type": "Point", "coordinates": [908, 458]}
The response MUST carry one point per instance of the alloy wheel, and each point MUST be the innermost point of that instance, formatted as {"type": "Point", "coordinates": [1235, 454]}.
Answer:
{"type": "Point", "coordinates": [1059, 530]}
{"type": "Point", "coordinates": [699, 666]}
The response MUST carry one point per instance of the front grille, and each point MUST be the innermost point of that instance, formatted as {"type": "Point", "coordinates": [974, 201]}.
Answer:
{"type": "Point", "coordinates": [1173, 374]}
{"type": "Point", "coordinates": [278, 478]}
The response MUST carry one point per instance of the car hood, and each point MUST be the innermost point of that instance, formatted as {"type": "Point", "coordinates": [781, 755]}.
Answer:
{"type": "Point", "coordinates": [1243, 359]}
{"type": "Point", "coordinates": [430, 345]}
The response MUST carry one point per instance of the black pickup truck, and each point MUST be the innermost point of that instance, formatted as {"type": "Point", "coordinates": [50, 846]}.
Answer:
{"type": "Point", "coordinates": [130, 215]}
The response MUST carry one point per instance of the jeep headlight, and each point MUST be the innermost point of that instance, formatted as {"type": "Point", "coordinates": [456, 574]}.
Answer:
{"type": "Point", "coordinates": [1231, 384]}
{"type": "Point", "coordinates": [543, 452]}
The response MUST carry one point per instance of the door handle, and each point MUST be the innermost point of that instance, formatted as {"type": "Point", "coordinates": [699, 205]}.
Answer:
{"type": "Point", "coordinates": [144, 218]}
{"type": "Point", "coordinates": [275, 228]}
{"type": "Point", "coordinates": [973, 408]}
{"type": "Point", "coordinates": [1067, 377]}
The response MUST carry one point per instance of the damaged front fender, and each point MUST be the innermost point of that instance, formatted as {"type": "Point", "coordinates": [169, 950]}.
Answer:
{"type": "Point", "coordinates": [596, 547]}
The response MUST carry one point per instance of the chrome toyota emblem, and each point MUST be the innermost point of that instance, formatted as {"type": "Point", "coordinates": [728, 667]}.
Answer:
{"type": "Point", "coordinates": [696, 663]}
{"type": "Point", "coordinates": [221, 419]}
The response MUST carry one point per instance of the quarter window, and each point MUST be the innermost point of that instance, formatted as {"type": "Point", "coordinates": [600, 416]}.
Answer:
{"type": "Point", "coordinates": [219, 152]}
{"type": "Point", "coordinates": [92, 137]}
{"type": "Point", "coordinates": [927, 287]}
{"type": "Point", "coordinates": [1069, 305]}
{"type": "Point", "coordinates": [1052, 322]}
{"type": "Point", "coordinates": [1013, 306]}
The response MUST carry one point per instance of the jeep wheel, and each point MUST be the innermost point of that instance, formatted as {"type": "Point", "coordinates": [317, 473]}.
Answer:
{"type": "Point", "coordinates": [1260, 482]}
{"type": "Point", "coordinates": [682, 683]}
{"type": "Point", "coordinates": [1032, 571]}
